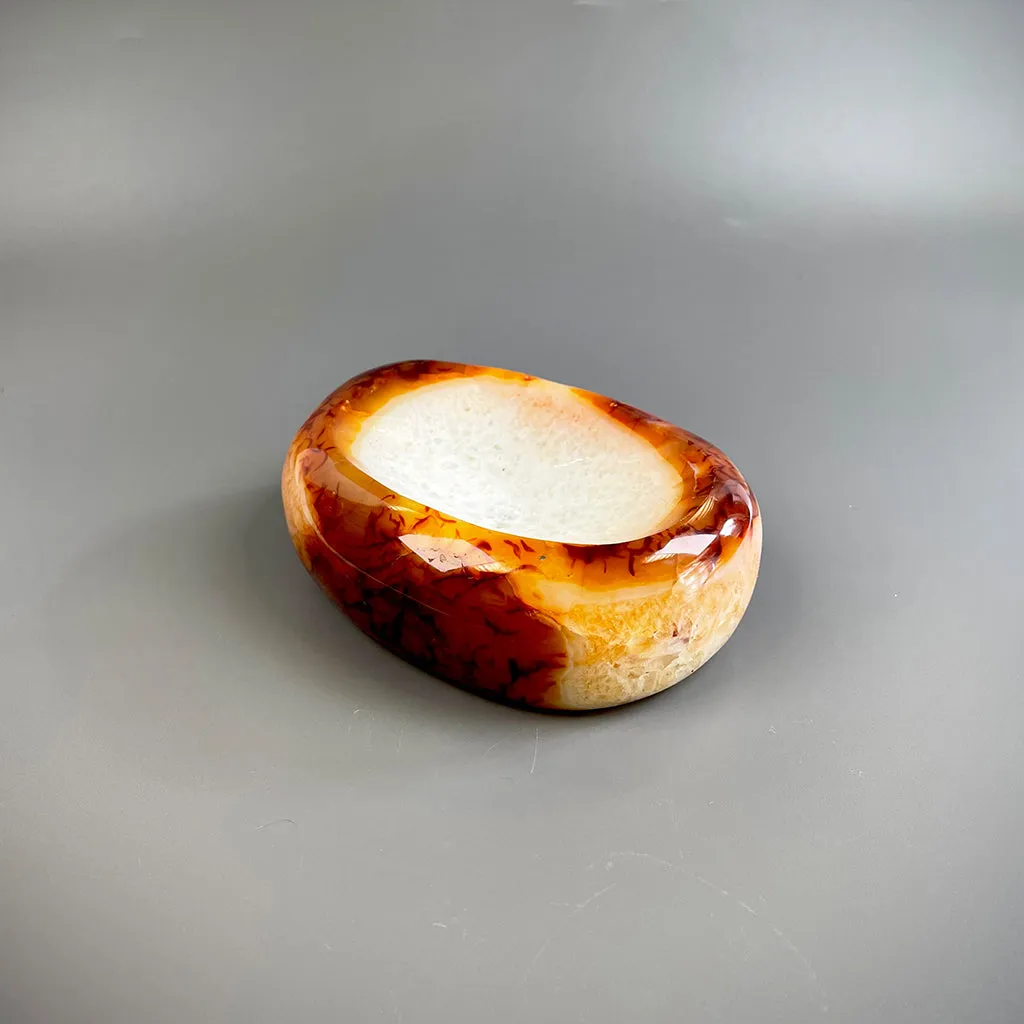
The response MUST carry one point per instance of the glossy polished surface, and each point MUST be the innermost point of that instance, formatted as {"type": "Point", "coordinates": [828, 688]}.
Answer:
{"type": "Point", "coordinates": [535, 622]}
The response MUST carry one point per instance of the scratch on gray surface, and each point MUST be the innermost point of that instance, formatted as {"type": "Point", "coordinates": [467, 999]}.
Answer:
{"type": "Point", "coordinates": [496, 743]}
{"type": "Point", "coordinates": [812, 974]}
{"type": "Point", "coordinates": [576, 909]}
{"type": "Point", "coordinates": [441, 924]}
{"type": "Point", "coordinates": [713, 886]}
{"type": "Point", "coordinates": [536, 956]}
{"type": "Point", "coordinates": [643, 856]}
{"type": "Point", "coordinates": [673, 811]}
{"type": "Point", "coordinates": [276, 821]}
{"type": "Point", "coordinates": [597, 895]}
{"type": "Point", "coordinates": [808, 967]}
{"type": "Point", "coordinates": [401, 734]}
{"type": "Point", "coordinates": [536, 747]}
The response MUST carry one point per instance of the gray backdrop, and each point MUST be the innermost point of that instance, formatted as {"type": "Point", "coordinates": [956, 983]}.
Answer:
{"type": "Point", "coordinates": [794, 227]}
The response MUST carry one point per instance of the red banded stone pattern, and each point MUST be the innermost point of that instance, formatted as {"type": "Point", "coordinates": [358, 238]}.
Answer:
{"type": "Point", "coordinates": [531, 622]}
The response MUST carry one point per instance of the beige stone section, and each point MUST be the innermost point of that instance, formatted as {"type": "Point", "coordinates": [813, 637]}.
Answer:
{"type": "Point", "coordinates": [625, 649]}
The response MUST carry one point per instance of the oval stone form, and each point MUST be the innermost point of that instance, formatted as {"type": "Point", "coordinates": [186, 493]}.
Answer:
{"type": "Point", "coordinates": [537, 543]}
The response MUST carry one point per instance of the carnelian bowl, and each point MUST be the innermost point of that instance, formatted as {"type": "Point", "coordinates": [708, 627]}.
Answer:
{"type": "Point", "coordinates": [534, 542]}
